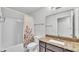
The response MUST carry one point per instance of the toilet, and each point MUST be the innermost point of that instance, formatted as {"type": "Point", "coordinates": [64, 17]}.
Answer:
{"type": "Point", "coordinates": [34, 46]}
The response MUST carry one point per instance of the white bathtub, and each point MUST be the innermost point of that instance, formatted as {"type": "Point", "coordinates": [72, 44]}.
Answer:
{"type": "Point", "coordinates": [16, 48]}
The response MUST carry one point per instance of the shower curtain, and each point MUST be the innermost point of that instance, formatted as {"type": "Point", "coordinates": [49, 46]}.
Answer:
{"type": "Point", "coordinates": [27, 31]}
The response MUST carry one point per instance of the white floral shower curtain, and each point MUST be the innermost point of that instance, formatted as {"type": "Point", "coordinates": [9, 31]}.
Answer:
{"type": "Point", "coordinates": [27, 32]}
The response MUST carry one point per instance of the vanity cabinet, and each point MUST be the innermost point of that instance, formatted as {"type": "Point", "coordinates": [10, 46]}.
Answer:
{"type": "Point", "coordinates": [42, 46]}
{"type": "Point", "coordinates": [46, 47]}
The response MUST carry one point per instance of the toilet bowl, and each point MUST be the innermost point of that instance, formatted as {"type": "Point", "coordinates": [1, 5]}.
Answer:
{"type": "Point", "coordinates": [34, 46]}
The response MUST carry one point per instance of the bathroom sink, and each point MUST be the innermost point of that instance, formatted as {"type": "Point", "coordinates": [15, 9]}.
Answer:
{"type": "Point", "coordinates": [56, 42]}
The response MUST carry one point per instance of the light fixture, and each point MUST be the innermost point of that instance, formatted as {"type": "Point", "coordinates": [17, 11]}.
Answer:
{"type": "Point", "coordinates": [53, 8]}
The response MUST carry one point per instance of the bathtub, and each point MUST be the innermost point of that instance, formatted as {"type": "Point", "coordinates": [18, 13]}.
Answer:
{"type": "Point", "coordinates": [16, 48]}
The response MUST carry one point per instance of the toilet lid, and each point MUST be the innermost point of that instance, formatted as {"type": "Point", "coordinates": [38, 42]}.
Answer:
{"type": "Point", "coordinates": [32, 44]}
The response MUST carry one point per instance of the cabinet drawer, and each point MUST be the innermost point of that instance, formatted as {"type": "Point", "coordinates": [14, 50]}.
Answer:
{"type": "Point", "coordinates": [48, 50]}
{"type": "Point", "coordinates": [41, 43]}
{"type": "Point", "coordinates": [54, 48]}
{"type": "Point", "coordinates": [42, 49]}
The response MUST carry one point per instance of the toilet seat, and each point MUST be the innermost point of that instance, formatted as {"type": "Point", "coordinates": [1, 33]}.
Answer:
{"type": "Point", "coordinates": [32, 45]}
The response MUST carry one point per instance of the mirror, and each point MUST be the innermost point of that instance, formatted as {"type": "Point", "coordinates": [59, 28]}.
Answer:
{"type": "Point", "coordinates": [64, 26]}
{"type": "Point", "coordinates": [61, 24]}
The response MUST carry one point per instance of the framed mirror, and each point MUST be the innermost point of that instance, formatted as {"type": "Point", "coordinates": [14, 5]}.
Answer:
{"type": "Point", "coordinates": [61, 24]}
{"type": "Point", "coordinates": [65, 26]}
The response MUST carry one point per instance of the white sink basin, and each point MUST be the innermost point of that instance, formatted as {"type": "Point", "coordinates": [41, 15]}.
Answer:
{"type": "Point", "coordinates": [55, 41]}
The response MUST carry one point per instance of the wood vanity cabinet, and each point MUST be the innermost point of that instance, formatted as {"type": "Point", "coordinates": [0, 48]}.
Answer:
{"type": "Point", "coordinates": [42, 46]}
{"type": "Point", "coordinates": [46, 47]}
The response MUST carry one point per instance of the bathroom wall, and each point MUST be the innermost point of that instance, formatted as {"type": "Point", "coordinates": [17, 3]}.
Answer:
{"type": "Point", "coordinates": [39, 21]}
{"type": "Point", "coordinates": [51, 25]}
{"type": "Point", "coordinates": [31, 24]}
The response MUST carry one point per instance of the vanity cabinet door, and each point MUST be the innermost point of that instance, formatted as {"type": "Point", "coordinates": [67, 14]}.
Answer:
{"type": "Point", "coordinates": [41, 49]}
{"type": "Point", "coordinates": [41, 43]}
{"type": "Point", "coordinates": [54, 48]}
{"type": "Point", "coordinates": [41, 46]}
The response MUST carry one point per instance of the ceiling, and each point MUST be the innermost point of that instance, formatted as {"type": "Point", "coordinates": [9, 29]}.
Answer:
{"type": "Point", "coordinates": [27, 10]}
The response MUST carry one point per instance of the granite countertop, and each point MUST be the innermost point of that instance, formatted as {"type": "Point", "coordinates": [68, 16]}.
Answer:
{"type": "Point", "coordinates": [70, 45]}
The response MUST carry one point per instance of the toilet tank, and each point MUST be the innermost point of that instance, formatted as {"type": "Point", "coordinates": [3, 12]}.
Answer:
{"type": "Point", "coordinates": [36, 38]}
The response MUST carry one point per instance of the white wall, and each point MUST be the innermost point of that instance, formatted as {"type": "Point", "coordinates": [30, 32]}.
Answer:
{"type": "Point", "coordinates": [31, 23]}
{"type": "Point", "coordinates": [39, 21]}
{"type": "Point", "coordinates": [51, 23]}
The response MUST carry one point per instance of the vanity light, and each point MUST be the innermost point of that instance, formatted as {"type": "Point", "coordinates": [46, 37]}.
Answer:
{"type": "Point", "coordinates": [53, 8]}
